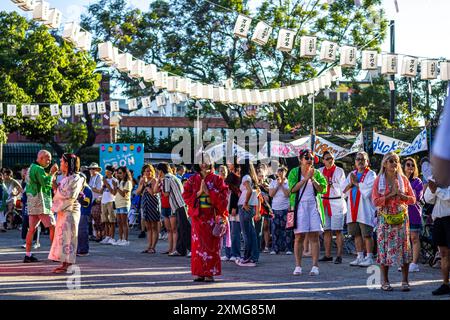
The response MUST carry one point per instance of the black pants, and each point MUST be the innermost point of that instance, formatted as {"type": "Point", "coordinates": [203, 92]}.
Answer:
{"type": "Point", "coordinates": [184, 231]}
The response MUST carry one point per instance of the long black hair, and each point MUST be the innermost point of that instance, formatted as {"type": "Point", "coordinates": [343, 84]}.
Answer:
{"type": "Point", "coordinates": [73, 163]}
{"type": "Point", "coordinates": [247, 168]}
{"type": "Point", "coordinates": [127, 174]}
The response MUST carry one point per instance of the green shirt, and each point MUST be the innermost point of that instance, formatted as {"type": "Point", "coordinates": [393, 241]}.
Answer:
{"type": "Point", "coordinates": [293, 179]}
{"type": "Point", "coordinates": [39, 189]}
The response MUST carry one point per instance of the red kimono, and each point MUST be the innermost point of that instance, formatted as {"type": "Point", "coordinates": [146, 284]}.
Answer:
{"type": "Point", "coordinates": [205, 248]}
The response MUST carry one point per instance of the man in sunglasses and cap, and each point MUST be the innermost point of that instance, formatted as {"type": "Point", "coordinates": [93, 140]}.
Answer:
{"type": "Point", "coordinates": [361, 210]}
{"type": "Point", "coordinates": [96, 185]}
{"type": "Point", "coordinates": [334, 206]}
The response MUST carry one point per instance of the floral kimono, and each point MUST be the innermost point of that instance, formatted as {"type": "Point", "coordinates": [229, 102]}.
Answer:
{"type": "Point", "coordinates": [64, 246]}
{"type": "Point", "coordinates": [205, 248]}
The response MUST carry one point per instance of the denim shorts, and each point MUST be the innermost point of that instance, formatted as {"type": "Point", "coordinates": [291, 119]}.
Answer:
{"type": "Point", "coordinates": [123, 210]}
{"type": "Point", "coordinates": [415, 227]}
{"type": "Point", "coordinates": [167, 213]}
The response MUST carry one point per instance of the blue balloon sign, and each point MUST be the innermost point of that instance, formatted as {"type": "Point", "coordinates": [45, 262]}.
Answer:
{"type": "Point", "coordinates": [130, 155]}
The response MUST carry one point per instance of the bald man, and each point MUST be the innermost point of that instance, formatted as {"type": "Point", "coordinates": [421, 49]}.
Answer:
{"type": "Point", "coordinates": [39, 199]}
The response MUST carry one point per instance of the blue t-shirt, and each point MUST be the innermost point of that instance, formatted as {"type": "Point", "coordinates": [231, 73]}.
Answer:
{"type": "Point", "coordinates": [355, 189]}
{"type": "Point", "coordinates": [85, 199]}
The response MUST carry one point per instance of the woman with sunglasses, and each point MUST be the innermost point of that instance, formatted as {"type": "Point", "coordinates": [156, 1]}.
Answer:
{"type": "Point", "coordinates": [391, 194]}
{"type": "Point", "coordinates": [306, 185]}
{"type": "Point", "coordinates": [65, 203]}
{"type": "Point", "coordinates": [414, 210]}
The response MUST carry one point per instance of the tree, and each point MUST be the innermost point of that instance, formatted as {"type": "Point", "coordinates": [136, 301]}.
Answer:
{"type": "Point", "coordinates": [36, 66]}
{"type": "Point", "coordinates": [195, 39]}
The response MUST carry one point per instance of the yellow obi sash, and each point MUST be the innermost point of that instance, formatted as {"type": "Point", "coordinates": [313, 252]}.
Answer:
{"type": "Point", "coordinates": [205, 202]}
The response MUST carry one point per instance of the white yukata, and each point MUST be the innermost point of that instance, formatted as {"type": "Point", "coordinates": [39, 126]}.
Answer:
{"type": "Point", "coordinates": [366, 208]}
{"type": "Point", "coordinates": [338, 207]}
{"type": "Point", "coordinates": [65, 203]}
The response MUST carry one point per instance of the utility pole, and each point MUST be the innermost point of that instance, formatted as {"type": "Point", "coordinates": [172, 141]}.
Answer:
{"type": "Point", "coordinates": [393, 102]}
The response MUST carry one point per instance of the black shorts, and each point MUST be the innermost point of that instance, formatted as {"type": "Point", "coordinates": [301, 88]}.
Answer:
{"type": "Point", "coordinates": [441, 232]}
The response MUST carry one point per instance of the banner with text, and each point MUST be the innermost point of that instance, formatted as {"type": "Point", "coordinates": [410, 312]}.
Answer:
{"type": "Point", "coordinates": [384, 144]}
{"type": "Point", "coordinates": [130, 155]}
{"type": "Point", "coordinates": [420, 143]}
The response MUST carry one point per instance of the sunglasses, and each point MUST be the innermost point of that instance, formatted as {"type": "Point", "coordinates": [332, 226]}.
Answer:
{"type": "Point", "coordinates": [391, 161]}
{"type": "Point", "coordinates": [307, 158]}
{"type": "Point", "coordinates": [410, 165]}
{"type": "Point", "coordinates": [329, 158]}
{"type": "Point", "coordinates": [360, 159]}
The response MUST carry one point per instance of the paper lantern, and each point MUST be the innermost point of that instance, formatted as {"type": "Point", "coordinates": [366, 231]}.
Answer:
{"type": "Point", "coordinates": [114, 106]}
{"type": "Point", "coordinates": [78, 110]}
{"type": "Point", "coordinates": [171, 83]}
{"type": "Point", "coordinates": [444, 70]}
{"type": "Point", "coordinates": [208, 92]}
{"type": "Point", "coordinates": [150, 72]}
{"type": "Point", "coordinates": [132, 104]}
{"type": "Point", "coordinates": [409, 66]}
{"type": "Point", "coordinates": [308, 47]}
{"type": "Point", "coordinates": [274, 96]}
{"type": "Point", "coordinates": [265, 96]}
{"type": "Point", "coordinates": [26, 5]}
{"type": "Point", "coordinates": [216, 97]}
{"type": "Point", "coordinates": [115, 61]}
{"type": "Point", "coordinates": [71, 32]}
{"type": "Point", "coordinates": [125, 62]}
{"type": "Point", "coordinates": [262, 33]}
{"type": "Point", "coordinates": [242, 26]}
{"type": "Point", "coordinates": [239, 96]}
{"type": "Point", "coordinates": [66, 112]}
{"type": "Point", "coordinates": [428, 70]}
{"type": "Point", "coordinates": [348, 57]}
{"type": "Point", "coordinates": [101, 107]}
{"type": "Point", "coordinates": [54, 19]}
{"type": "Point", "coordinates": [389, 65]}
{"type": "Point", "coordinates": [221, 94]}
{"type": "Point", "coordinates": [285, 39]}
{"type": "Point", "coordinates": [229, 83]}
{"type": "Point", "coordinates": [316, 84]}
{"type": "Point", "coordinates": [309, 87]}
{"type": "Point", "coordinates": [328, 79]}
{"type": "Point", "coordinates": [328, 51]}
{"type": "Point", "coordinates": [173, 98]}
{"type": "Point", "coordinates": [41, 11]}
{"type": "Point", "coordinates": [146, 102]}
{"type": "Point", "coordinates": [54, 110]}
{"type": "Point", "coordinates": [84, 41]}
{"type": "Point", "coordinates": [137, 69]}
{"type": "Point", "coordinates": [161, 80]}
{"type": "Point", "coordinates": [105, 51]}
{"type": "Point", "coordinates": [289, 93]}
{"type": "Point", "coordinates": [92, 108]}
{"type": "Point", "coordinates": [194, 87]}
{"type": "Point", "coordinates": [232, 96]}
{"type": "Point", "coordinates": [11, 110]}
{"type": "Point", "coordinates": [1, 108]}
{"type": "Point", "coordinates": [302, 89]}
{"type": "Point", "coordinates": [34, 110]}
{"type": "Point", "coordinates": [160, 100]}
{"type": "Point", "coordinates": [247, 96]}
{"type": "Point", "coordinates": [369, 60]}
{"type": "Point", "coordinates": [322, 82]}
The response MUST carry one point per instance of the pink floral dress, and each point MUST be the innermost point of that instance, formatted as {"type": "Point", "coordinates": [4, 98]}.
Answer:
{"type": "Point", "coordinates": [392, 240]}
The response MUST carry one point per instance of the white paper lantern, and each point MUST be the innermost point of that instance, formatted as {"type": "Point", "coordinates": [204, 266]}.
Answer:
{"type": "Point", "coordinates": [26, 110]}
{"type": "Point", "coordinates": [194, 87]}
{"type": "Point", "coordinates": [41, 11]}
{"type": "Point", "coordinates": [221, 94]}
{"type": "Point", "coordinates": [444, 70]}
{"type": "Point", "coordinates": [11, 110]}
{"type": "Point", "coordinates": [115, 106]}
{"type": "Point", "coordinates": [71, 32]}
{"type": "Point", "coordinates": [428, 69]}
{"type": "Point", "coordinates": [308, 47]}
{"type": "Point", "coordinates": [92, 108]}
{"type": "Point", "coordinates": [232, 97]}
{"type": "Point", "coordinates": [348, 57]}
{"type": "Point", "coordinates": [239, 96]}
{"type": "Point", "coordinates": [146, 102]}
{"type": "Point", "coordinates": [262, 33]}
{"type": "Point", "coordinates": [101, 107]}
{"type": "Point", "coordinates": [125, 62]}
{"type": "Point", "coordinates": [160, 100]}
{"type": "Point", "coordinates": [78, 110]}
{"type": "Point", "coordinates": [316, 84]}
{"type": "Point", "coordinates": [322, 82]}
{"type": "Point", "coordinates": [54, 19]}
{"type": "Point", "coordinates": [105, 51]}
{"type": "Point", "coordinates": [34, 110]}
{"type": "Point", "coordinates": [115, 61]}
{"type": "Point", "coordinates": [66, 112]}
{"type": "Point", "coordinates": [369, 60]}
{"type": "Point", "coordinates": [242, 26]}
{"type": "Point", "coordinates": [389, 64]}
{"type": "Point", "coordinates": [84, 41]}
{"type": "Point", "coordinates": [328, 78]}
{"type": "Point", "coordinates": [208, 92]}
{"type": "Point", "coordinates": [137, 69]}
{"type": "Point", "coordinates": [1, 108]}
{"type": "Point", "coordinates": [274, 96]}
{"type": "Point", "coordinates": [302, 89]}
{"type": "Point", "coordinates": [132, 104]}
{"type": "Point", "coordinates": [247, 96]}
{"type": "Point", "coordinates": [265, 96]}
{"type": "Point", "coordinates": [328, 51]}
{"type": "Point", "coordinates": [229, 83]}
{"type": "Point", "coordinates": [161, 80]}
{"type": "Point", "coordinates": [150, 72]}
{"type": "Point", "coordinates": [26, 5]}
{"type": "Point", "coordinates": [409, 66]}
{"type": "Point", "coordinates": [171, 83]}
{"type": "Point", "coordinates": [286, 39]}
{"type": "Point", "coordinates": [172, 98]}
{"type": "Point", "coordinates": [310, 87]}
{"type": "Point", "coordinates": [290, 93]}
{"type": "Point", "coordinates": [336, 73]}
{"type": "Point", "coordinates": [54, 110]}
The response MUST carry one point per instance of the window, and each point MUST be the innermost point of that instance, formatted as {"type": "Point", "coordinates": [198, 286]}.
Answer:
{"type": "Point", "coordinates": [147, 130]}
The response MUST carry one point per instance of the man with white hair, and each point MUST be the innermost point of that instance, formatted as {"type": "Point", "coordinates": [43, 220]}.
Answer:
{"type": "Point", "coordinates": [39, 199]}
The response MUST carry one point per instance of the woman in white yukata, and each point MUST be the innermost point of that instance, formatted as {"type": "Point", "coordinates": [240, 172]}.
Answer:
{"type": "Point", "coordinates": [65, 203]}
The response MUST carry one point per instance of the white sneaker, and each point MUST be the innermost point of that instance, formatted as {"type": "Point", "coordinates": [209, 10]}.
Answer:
{"type": "Point", "coordinates": [289, 253]}
{"type": "Point", "coordinates": [272, 253]}
{"type": "Point", "coordinates": [356, 262]}
{"type": "Point", "coordinates": [105, 241]}
{"type": "Point", "coordinates": [24, 246]}
{"type": "Point", "coordinates": [314, 271]}
{"type": "Point", "coordinates": [367, 262]}
{"type": "Point", "coordinates": [36, 245]}
{"type": "Point", "coordinates": [413, 267]}
{"type": "Point", "coordinates": [112, 241]}
{"type": "Point", "coordinates": [224, 258]}
{"type": "Point", "coordinates": [297, 271]}
{"type": "Point", "coordinates": [233, 259]}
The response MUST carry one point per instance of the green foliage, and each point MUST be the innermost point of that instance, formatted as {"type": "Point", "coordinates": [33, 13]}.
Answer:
{"type": "Point", "coordinates": [36, 66]}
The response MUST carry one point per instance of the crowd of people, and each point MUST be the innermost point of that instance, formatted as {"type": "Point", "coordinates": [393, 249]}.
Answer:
{"type": "Point", "coordinates": [207, 212]}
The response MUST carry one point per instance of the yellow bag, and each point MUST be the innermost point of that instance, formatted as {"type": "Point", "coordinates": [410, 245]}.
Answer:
{"type": "Point", "coordinates": [395, 219]}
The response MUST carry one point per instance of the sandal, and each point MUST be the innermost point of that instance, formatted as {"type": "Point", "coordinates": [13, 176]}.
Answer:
{"type": "Point", "coordinates": [151, 250]}
{"type": "Point", "coordinates": [405, 287]}
{"type": "Point", "coordinates": [386, 287]}
{"type": "Point", "coordinates": [60, 270]}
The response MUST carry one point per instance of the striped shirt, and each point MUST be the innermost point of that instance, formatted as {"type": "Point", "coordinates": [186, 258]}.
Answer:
{"type": "Point", "coordinates": [173, 186]}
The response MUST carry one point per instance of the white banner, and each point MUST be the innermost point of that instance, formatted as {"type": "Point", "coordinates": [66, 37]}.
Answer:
{"type": "Point", "coordinates": [358, 145]}
{"type": "Point", "coordinates": [321, 145]}
{"type": "Point", "coordinates": [383, 144]}
{"type": "Point", "coordinates": [420, 143]}
{"type": "Point", "coordinates": [219, 151]}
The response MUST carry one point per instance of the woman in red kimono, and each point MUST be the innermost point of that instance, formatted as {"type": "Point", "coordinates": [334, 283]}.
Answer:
{"type": "Point", "coordinates": [205, 193]}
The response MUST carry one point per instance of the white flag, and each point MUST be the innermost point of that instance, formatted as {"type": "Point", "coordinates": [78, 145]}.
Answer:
{"type": "Point", "coordinates": [420, 143]}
